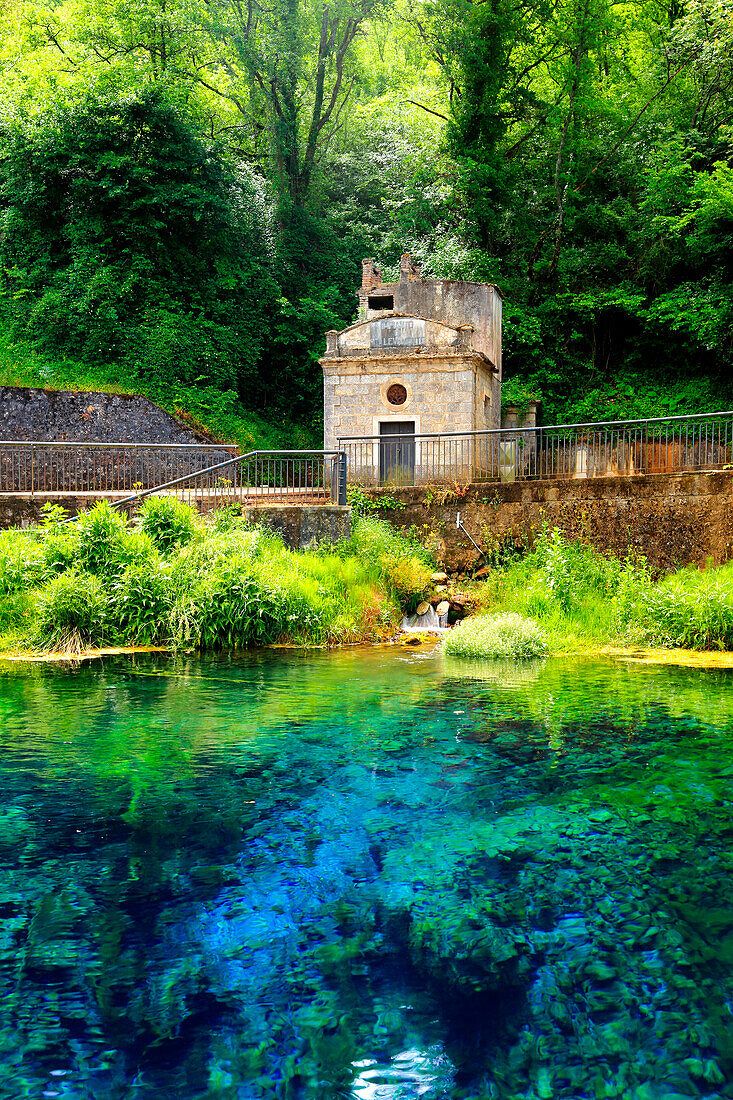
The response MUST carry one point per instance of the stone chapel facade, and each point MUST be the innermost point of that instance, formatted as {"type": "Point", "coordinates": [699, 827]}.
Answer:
{"type": "Point", "coordinates": [424, 357]}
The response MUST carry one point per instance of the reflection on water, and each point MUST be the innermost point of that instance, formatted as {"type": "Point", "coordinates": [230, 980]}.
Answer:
{"type": "Point", "coordinates": [367, 875]}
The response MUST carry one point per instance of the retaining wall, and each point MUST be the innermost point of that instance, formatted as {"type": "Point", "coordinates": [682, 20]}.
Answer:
{"type": "Point", "coordinates": [88, 417]}
{"type": "Point", "coordinates": [80, 418]}
{"type": "Point", "coordinates": [302, 526]}
{"type": "Point", "coordinates": [674, 519]}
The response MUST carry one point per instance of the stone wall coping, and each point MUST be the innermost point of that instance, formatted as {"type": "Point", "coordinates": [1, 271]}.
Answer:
{"type": "Point", "coordinates": [434, 359]}
{"type": "Point", "coordinates": [434, 282]}
{"type": "Point", "coordinates": [631, 486]}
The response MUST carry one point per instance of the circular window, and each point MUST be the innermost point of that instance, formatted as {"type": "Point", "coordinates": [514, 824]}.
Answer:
{"type": "Point", "coordinates": [396, 394]}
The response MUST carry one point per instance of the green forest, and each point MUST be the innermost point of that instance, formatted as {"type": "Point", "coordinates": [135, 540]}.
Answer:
{"type": "Point", "coordinates": [189, 186]}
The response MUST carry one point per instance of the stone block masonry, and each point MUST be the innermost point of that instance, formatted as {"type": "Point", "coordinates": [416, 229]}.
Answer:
{"type": "Point", "coordinates": [424, 357]}
{"type": "Point", "coordinates": [673, 519]}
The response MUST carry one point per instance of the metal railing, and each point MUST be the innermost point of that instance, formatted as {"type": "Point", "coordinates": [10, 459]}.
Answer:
{"type": "Point", "coordinates": [672, 444]}
{"type": "Point", "coordinates": [59, 467]}
{"type": "Point", "coordinates": [256, 479]}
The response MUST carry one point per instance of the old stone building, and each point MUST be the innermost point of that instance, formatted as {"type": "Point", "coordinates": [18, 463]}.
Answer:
{"type": "Point", "coordinates": [423, 358]}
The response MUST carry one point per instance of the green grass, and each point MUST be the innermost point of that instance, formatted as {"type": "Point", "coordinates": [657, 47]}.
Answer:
{"type": "Point", "coordinates": [203, 408]}
{"type": "Point", "coordinates": [175, 579]}
{"type": "Point", "coordinates": [583, 600]}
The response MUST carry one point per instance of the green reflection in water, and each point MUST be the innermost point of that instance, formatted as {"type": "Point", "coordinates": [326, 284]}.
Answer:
{"type": "Point", "coordinates": [368, 875]}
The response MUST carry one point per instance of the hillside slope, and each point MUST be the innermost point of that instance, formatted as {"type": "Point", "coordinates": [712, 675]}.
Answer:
{"type": "Point", "coordinates": [218, 413]}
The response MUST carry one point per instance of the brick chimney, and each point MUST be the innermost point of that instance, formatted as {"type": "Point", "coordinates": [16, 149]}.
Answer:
{"type": "Point", "coordinates": [409, 270]}
{"type": "Point", "coordinates": [371, 275]}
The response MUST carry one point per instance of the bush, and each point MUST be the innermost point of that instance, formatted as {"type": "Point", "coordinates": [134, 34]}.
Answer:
{"type": "Point", "coordinates": [403, 563]}
{"type": "Point", "coordinates": [505, 635]}
{"type": "Point", "coordinates": [100, 533]}
{"type": "Point", "coordinates": [688, 609]}
{"type": "Point", "coordinates": [72, 612]}
{"type": "Point", "coordinates": [22, 562]}
{"type": "Point", "coordinates": [60, 542]}
{"type": "Point", "coordinates": [168, 522]}
{"type": "Point", "coordinates": [141, 601]}
{"type": "Point", "coordinates": [234, 609]}
{"type": "Point", "coordinates": [572, 571]}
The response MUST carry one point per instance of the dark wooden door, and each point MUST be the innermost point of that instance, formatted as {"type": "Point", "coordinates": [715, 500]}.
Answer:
{"type": "Point", "coordinates": [397, 452]}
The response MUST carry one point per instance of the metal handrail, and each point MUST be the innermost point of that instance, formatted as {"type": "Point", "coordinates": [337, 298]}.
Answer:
{"type": "Point", "coordinates": [202, 485]}
{"type": "Point", "coordinates": [73, 466]}
{"type": "Point", "coordinates": [699, 441]}
{"type": "Point", "coordinates": [539, 428]}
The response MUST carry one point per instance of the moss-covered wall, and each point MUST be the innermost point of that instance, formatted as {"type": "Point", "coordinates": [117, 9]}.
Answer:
{"type": "Point", "coordinates": [674, 519]}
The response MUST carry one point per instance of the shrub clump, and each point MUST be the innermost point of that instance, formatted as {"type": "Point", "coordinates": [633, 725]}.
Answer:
{"type": "Point", "coordinates": [689, 609]}
{"type": "Point", "coordinates": [503, 635]}
{"type": "Point", "coordinates": [169, 522]}
{"type": "Point", "coordinates": [402, 563]}
{"type": "Point", "coordinates": [141, 599]}
{"type": "Point", "coordinates": [100, 538]}
{"type": "Point", "coordinates": [22, 562]}
{"type": "Point", "coordinates": [72, 612]}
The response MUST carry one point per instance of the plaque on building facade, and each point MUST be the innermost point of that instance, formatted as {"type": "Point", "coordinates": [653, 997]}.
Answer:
{"type": "Point", "coordinates": [397, 332]}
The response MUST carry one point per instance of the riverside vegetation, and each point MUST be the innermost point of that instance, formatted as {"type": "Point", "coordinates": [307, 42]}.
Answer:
{"type": "Point", "coordinates": [174, 579]}
{"type": "Point", "coordinates": [566, 597]}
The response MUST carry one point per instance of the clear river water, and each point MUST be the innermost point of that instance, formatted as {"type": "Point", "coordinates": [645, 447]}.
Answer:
{"type": "Point", "coordinates": [373, 875]}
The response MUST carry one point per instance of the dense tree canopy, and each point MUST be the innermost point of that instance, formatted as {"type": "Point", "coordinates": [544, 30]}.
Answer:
{"type": "Point", "coordinates": [189, 185]}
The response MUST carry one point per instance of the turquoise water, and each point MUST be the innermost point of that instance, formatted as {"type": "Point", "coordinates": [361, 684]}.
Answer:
{"type": "Point", "coordinates": [366, 875]}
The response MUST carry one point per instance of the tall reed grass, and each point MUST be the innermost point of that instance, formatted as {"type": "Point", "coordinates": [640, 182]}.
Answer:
{"type": "Point", "coordinates": [173, 578]}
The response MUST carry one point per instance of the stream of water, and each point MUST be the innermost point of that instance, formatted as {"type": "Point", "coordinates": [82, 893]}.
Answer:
{"type": "Point", "coordinates": [369, 875]}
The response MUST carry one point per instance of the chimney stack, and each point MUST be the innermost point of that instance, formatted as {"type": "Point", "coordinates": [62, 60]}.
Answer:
{"type": "Point", "coordinates": [409, 270]}
{"type": "Point", "coordinates": [371, 275]}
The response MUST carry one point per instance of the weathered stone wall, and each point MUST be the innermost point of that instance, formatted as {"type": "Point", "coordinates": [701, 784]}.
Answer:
{"type": "Point", "coordinates": [304, 526]}
{"type": "Point", "coordinates": [88, 417]}
{"type": "Point", "coordinates": [79, 419]}
{"type": "Point", "coordinates": [441, 391]}
{"type": "Point", "coordinates": [674, 519]}
{"type": "Point", "coordinates": [453, 303]}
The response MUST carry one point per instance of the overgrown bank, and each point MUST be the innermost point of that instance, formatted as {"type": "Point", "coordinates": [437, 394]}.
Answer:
{"type": "Point", "coordinates": [573, 599]}
{"type": "Point", "coordinates": [219, 413]}
{"type": "Point", "coordinates": [175, 579]}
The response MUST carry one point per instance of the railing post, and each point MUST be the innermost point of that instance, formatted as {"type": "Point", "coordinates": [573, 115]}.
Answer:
{"type": "Point", "coordinates": [33, 458]}
{"type": "Point", "coordinates": [342, 475]}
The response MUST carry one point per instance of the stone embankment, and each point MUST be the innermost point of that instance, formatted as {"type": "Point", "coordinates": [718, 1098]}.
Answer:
{"type": "Point", "coordinates": [673, 519]}
{"type": "Point", "coordinates": [78, 416]}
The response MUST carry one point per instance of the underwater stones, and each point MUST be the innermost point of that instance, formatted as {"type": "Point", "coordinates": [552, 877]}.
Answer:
{"type": "Point", "coordinates": [439, 578]}
{"type": "Point", "coordinates": [14, 826]}
{"type": "Point", "coordinates": [704, 1070]}
{"type": "Point", "coordinates": [600, 971]}
{"type": "Point", "coordinates": [543, 1085]}
{"type": "Point", "coordinates": [600, 817]}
